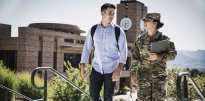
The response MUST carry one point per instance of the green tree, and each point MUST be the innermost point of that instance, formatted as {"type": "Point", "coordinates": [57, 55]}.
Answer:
{"type": "Point", "coordinates": [198, 77]}
{"type": "Point", "coordinates": [200, 81]}
{"type": "Point", "coordinates": [172, 78]}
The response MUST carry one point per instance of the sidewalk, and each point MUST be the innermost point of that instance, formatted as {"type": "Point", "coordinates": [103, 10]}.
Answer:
{"type": "Point", "coordinates": [127, 97]}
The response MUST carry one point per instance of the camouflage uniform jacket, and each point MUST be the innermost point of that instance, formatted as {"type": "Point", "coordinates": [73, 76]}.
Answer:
{"type": "Point", "coordinates": [140, 56]}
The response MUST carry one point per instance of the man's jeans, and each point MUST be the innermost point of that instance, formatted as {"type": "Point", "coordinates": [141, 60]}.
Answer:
{"type": "Point", "coordinates": [96, 81]}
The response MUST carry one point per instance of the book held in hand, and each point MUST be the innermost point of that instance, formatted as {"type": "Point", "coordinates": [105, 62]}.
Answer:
{"type": "Point", "coordinates": [159, 47]}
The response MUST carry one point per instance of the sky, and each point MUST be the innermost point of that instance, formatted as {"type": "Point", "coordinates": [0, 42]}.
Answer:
{"type": "Point", "coordinates": [184, 19]}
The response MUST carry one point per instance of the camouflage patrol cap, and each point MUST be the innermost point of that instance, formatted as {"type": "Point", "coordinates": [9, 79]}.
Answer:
{"type": "Point", "coordinates": [154, 16]}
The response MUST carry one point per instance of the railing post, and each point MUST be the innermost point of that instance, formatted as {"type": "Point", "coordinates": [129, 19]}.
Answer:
{"type": "Point", "coordinates": [6, 96]}
{"type": "Point", "coordinates": [190, 85]}
{"type": "Point", "coordinates": [178, 85]}
{"type": "Point", "coordinates": [185, 88]}
{"type": "Point", "coordinates": [45, 85]}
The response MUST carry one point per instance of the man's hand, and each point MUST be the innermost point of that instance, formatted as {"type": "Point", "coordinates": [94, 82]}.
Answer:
{"type": "Point", "coordinates": [116, 73]}
{"type": "Point", "coordinates": [83, 71]}
{"type": "Point", "coordinates": [152, 56]}
{"type": "Point", "coordinates": [134, 80]}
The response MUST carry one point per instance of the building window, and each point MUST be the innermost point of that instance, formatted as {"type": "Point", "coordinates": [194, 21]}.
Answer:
{"type": "Point", "coordinates": [69, 40]}
{"type": "Point", "coordinates": [39, 58]}
{"type": "Point", "coordinates": [9, 58]}
{"type": "Point", "coordinates": [55, 60]}
{"type": "Point", "coordinates": [73, 59]}
{"type": "Point", "coordinates": [126, 6]}
{"type": "Point", "coordinates": [80, 41]}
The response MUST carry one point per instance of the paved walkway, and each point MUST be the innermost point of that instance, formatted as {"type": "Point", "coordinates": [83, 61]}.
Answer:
{"type": "Point", "coordinates": [128, 97]}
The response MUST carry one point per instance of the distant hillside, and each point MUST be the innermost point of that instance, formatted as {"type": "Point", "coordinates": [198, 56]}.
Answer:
{"type": "Point", "coordinates": [190, 59]}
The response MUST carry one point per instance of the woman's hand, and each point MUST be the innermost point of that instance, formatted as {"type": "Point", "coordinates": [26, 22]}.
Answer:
{"type": "Point", "coordinates": [153, 56]}
{"type": "Point", "coordinates": [134, 80]}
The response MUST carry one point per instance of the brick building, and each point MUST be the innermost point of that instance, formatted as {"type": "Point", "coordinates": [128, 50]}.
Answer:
{"type": "Point", "coordinates": [50, 44]}
{"type": "Point", "coordinates": [41, 45]}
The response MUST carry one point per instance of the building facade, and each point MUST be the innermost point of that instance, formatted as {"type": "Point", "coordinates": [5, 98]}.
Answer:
{"type": "Point", "coordinates": [50, 44]}
{"type": "Point", "coordinates": [41, 45]}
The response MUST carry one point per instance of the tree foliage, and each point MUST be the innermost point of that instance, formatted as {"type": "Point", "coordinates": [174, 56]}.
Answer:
{"type": "Point", "coordinates": [198, 77]}
{"type": "Point", "coordinates": [7, 79]}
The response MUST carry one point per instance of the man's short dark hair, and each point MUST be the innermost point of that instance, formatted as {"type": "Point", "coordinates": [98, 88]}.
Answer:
{"type": "Point", "coordinates": [107, 5]}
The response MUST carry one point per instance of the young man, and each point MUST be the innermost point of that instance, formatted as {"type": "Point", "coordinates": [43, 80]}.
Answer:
{"type": "Point", "coordinates": [109, 55]}
{"type": "Point", "coordinates": [150, 77]}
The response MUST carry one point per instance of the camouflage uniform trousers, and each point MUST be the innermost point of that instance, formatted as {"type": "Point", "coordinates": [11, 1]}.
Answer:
{"type": "Point", "coordinates": [152, 85]}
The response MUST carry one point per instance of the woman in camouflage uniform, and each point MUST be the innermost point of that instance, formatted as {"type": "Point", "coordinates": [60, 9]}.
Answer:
{"type": "Point", "coordinates": [150, 77]}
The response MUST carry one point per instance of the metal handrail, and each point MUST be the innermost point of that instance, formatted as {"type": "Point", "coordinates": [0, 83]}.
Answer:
{"type": "Point", "coordinates": [45, 81]}
{"type": "Point", "coordinates": [178, 85]}
{"type": "Point", "coordinates": [19, 94]}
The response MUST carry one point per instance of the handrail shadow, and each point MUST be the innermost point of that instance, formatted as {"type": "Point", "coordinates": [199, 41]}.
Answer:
{"type": "Point", "coordinates": [45, 81]}
{"type": "Point", "coordinates": [16, 93]}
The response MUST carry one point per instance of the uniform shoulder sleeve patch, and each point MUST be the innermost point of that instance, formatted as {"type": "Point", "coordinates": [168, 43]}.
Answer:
{"type": "Point", "coordinates": [172, 45]}
{"type": "Point", "coordinates": [138, 38]}
{"type": "Point", "coordinates": [164, 37]}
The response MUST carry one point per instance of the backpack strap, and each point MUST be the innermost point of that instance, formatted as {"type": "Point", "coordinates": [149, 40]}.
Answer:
{"type": "Point", "coordinates": [159, 37]}
{"type": "Point", "coordinates": [117, 35]}
{"type": "Point", "coordinates": [92, 33]}
{"type": "Point", "coordinates": [162, 37]}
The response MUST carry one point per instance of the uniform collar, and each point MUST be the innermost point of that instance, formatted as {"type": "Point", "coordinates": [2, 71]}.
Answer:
{"type": "Point", "coordinates": [111, 24]}
{"type": "Point", "coordinates": [155, 36]}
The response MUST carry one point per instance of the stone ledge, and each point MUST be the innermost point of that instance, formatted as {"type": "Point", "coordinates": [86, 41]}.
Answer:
{"type": "Point", "coordinates": [58, 27]}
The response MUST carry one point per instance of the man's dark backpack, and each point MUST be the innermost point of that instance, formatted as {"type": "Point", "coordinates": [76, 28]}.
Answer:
{"type": "Point", "coordinates": [117, 34]}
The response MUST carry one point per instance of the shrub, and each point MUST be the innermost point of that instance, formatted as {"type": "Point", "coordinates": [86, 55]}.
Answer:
{"type": "Point", "coordinates": [25, 87]}
{"type": "Point", "coordinates": [7, 78]}
{"type": "Point", "coordinates": [62, 91]}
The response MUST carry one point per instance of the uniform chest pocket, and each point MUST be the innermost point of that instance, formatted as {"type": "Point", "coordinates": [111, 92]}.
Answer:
{"type": "Point", "coordinates": [144, 50]}
{"type": "Point", "coordinates": [145, 46]}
